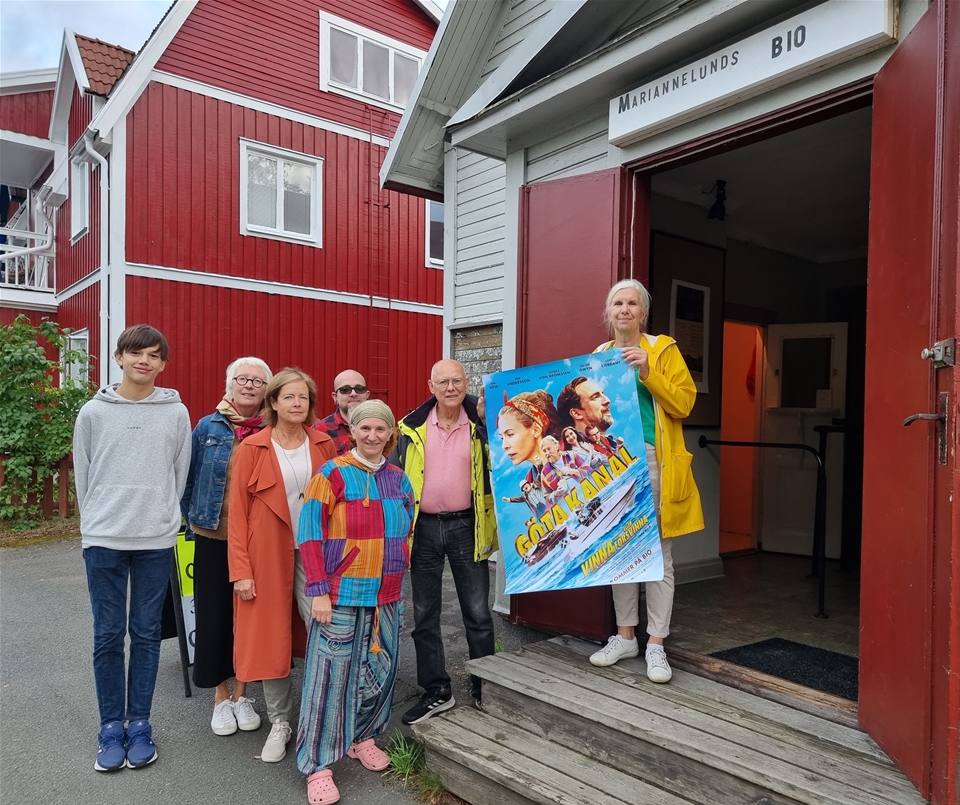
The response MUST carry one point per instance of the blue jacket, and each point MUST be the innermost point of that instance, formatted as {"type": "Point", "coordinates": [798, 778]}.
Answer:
{"type": "Point", "coordinates": [207, 479]}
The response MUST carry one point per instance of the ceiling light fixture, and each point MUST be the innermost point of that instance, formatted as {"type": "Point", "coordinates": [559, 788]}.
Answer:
{"type": "Point", "coordinates": [719, 209]}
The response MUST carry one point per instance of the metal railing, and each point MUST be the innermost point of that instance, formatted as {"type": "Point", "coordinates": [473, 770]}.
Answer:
{"type": "Point", "coordinates": [818, 570]}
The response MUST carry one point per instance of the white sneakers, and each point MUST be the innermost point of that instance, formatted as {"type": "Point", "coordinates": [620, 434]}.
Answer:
{"type": "Point", "coordinates": [228, 716]}
{"type": "Point", "coordinates": [224, 722]}
{"type": "Point", "coordinates": [275, 748]}
{"type": "Point", "coordinates": [619, 648]}
{"type": "Point", "coordinates": [247, 718]}
{"type": "Point", "coordinates": [658, 669]}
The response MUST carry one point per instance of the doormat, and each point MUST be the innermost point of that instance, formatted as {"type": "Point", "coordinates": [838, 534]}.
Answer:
{"type": "Point", "coordinates": [812, 667]}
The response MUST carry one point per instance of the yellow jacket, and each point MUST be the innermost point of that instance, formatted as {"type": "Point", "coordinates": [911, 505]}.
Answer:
{"type": "Point", "coordinates": [674, 394]}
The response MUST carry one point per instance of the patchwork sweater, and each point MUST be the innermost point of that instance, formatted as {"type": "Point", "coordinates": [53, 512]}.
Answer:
{"type": "Point", "coordinates": [356, 528]}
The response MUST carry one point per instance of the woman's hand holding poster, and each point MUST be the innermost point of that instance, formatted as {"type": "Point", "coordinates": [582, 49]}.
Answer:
{"type": "Point", "coordinates": [568, 460]}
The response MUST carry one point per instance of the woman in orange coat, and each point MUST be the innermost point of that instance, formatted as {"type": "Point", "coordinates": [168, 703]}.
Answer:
{"type": "Point", "coordinates": [270, 475]}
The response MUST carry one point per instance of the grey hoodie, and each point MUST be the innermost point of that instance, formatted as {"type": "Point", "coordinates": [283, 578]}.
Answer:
{"type": "Point", "coordinates": [131, 459]}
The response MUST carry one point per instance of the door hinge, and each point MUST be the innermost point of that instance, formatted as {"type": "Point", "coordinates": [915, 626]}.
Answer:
{"type": "Point", "coordinates": [943, 353]}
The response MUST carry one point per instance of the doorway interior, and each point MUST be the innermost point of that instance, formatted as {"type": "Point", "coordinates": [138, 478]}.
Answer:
{"type": "Point", "coordinates": [794, 232]}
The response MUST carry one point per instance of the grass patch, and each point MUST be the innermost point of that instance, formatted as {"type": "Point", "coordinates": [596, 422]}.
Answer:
{"type": "Point", "coordinates": [50, 529]}
{"type": "Point", "coordinates": [408, 766]}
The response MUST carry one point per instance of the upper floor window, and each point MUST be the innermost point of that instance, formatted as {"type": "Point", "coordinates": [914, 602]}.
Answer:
{"type": "Point", "coordinates": [76, 367]}
{"type": "Point", "coordinates": [434, 248]}
{"type": "Point", "coordinates": [280, 193]}
{"type": "Point", "coordinates": [365, 64]}
{"type": "Point", "coordinates": [79, 199]}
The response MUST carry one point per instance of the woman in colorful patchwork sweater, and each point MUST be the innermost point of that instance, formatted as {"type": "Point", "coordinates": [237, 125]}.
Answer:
{"type": "Point", "coordinates": [355, 531]}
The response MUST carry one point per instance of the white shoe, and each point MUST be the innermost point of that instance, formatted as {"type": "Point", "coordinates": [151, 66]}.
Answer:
{"type": "Point", "coordinates": [224, 722]}
{"type": "Point", "coordinates": [247, 718]}
{"type": "Point", "coordinates": [658, 669]}
{"type": "Point", "coordinates": [617, 648]}
{"type": "Point", "coordinates": [275, 748]}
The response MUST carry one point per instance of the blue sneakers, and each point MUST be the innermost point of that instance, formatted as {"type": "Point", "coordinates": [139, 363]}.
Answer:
{"type": "Point", "coordinates": [141, 750]}
{"type": "Point", "coordinates": [112, 753]}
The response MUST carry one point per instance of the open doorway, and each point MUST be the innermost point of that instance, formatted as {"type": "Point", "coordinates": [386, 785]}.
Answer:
{"type": "Point", "coordinates": [794, 232]}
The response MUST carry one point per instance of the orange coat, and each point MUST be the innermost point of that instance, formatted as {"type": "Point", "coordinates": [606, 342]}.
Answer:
{"type": "Point", "coordinates": [260, 547]}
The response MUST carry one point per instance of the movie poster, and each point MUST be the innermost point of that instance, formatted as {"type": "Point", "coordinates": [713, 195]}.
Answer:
{"type": "Point", "coordinates": [570, 480]}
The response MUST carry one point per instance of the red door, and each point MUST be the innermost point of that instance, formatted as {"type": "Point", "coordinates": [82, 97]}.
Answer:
{"type": "Point", "coordinates": [908, 643]}
{"type": "Point", "coordinates": [575, 244]}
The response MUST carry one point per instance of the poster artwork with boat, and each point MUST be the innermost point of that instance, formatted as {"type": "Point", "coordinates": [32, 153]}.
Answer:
{"type": "Point", "coordinates": [570, 481]}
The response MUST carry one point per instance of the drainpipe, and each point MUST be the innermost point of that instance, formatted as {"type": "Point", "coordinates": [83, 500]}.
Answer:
{"type": "Point", "coordinates": [105, 351]}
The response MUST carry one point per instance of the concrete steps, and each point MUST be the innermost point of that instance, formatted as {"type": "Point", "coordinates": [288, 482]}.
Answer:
{"type": "Point", "coordinates": [555, 729]}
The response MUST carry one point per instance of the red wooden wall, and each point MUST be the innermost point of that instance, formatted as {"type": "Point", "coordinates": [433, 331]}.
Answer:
{"type": "Point", "coordinates": [83, 310]}
{"type": "Point", "coordinates": [75, 260]}
{"type": "Point", "coordinates": [27, 113]}
{"type": "Point", "coordinates": [81, 113]}
{"type": "Point", "coordinates": [183, 209]}
{"type": "Point", "coordinates": [208, 327]}
{"type": "Point", "coordinates": [271, 51]}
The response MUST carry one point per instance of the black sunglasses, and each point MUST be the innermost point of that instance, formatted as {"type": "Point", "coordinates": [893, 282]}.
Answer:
{"type": "Point", "coordinates": [348, 389]}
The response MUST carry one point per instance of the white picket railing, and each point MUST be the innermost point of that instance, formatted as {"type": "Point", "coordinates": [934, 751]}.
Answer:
{"type": "Point", "coordinates": [26, 259]}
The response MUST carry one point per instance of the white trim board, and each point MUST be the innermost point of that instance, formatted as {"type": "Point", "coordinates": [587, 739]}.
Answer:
{"type": "Point", "coordinates": [78, 286]}
{"type": "Point", "coordinates": [278, 288]}
{"type": "Point", "coordinates": [258, 105]}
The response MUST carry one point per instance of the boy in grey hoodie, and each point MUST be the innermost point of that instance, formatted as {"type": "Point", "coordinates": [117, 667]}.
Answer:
{"type": "Point", "coordinates": [131, 453]}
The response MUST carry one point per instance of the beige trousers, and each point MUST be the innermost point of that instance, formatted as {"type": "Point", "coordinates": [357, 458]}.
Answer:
{"type": "Point", "coordinates": [626, 597]}
{"type": "Point", "coordinates": [277, 693]}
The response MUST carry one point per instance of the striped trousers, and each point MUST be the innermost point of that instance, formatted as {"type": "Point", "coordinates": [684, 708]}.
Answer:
{"type": "Point", "coordinates": [347, 688]}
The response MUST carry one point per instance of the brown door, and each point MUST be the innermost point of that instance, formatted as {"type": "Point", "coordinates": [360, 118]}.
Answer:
{"type": "Point", "coordinates": [908, 643]}
{"type": "Point", "coordinates": [574, 244]}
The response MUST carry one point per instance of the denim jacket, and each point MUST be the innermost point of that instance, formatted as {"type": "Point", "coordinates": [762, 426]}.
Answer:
{"type": "Point", "coordinates": [207, 480]}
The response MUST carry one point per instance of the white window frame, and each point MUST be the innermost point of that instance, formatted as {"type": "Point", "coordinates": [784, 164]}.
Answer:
{"type": "Point", "coordinates": [78, 339]}
{"type": "Point", "coordinates": [431, 262]}
{"type": "Point", "coordinates": [328, 21]}
{"type": "Point", "coordinates": [315, 238]}
{"type": "Point", "coordinates": [79, 199]}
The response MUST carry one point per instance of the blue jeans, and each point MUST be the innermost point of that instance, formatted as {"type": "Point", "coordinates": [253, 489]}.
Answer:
{"type": "Point", "coordinates": [107, 575]}
{"type": "Point", "coordinates": [433, 541]}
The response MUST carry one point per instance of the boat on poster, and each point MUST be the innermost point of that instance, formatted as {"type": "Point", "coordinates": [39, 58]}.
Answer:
{"type": "Point", "coordinates": [568, 462]}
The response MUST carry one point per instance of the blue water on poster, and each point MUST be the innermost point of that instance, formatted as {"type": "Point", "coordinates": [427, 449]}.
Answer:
{"type": "Point", "coordinates": [597, 524]}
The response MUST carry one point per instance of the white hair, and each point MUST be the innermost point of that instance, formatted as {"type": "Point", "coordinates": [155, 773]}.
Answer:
{"type": "Point", "coordinates": [642, 292]}
{"type": "Point", "coordinates": [233, 367]}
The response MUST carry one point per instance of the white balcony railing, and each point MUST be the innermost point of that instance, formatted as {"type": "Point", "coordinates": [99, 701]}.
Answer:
{"type": "Point", "coordinates": [26, 258]}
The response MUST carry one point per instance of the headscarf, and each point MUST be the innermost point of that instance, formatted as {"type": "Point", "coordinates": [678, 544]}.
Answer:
{"type": "Point", "coordinates": [242, 426]}
{"type": "Point", "coordinates": [377, 409]}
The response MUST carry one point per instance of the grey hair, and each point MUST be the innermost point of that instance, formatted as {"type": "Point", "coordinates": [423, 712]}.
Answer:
{"type": "Point", "coordinates": [645, 300]}
{"type": "Point", "coordinates": [232, 368]}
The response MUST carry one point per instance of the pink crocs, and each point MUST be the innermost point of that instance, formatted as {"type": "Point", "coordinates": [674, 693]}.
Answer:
{"type": "Point", "coordinates": [370, 755]}
{"type": "Point", "coordinates": [321, 789]}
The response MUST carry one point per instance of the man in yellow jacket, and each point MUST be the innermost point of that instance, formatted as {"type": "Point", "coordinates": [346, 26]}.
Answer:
{"type": "Point", "coordinates": [443, 450]}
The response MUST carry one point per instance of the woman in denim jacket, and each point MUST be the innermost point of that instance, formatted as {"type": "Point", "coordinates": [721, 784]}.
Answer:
{"type": "Point", "coordinates": [204, 506]}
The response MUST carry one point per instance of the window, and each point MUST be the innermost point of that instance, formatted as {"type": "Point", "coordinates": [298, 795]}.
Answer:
{"type": "Point", "coordinates": [280, 194]}
{"type": "Point", "coordinates": [77, 370]}
{"type": "Point", "coordinates": [79, 199]}
{"type": "Point", "coordinates": [362, 63]}
{"type": "Point", "coordinates": [434, 248]}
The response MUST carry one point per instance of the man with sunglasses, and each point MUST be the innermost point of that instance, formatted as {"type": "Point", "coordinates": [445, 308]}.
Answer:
{"type": "Point", "coordinates": [349, 390]}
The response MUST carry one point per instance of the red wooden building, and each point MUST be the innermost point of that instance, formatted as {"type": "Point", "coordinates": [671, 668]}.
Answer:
{"type": "Point", "coordinates": [222, 185]}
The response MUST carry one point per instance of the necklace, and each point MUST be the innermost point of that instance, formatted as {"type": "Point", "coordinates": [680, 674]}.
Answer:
{"type": "Point", "coordinates": [293, 470]}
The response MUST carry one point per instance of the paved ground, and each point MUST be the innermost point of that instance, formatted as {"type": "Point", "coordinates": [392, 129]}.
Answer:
{"type": "Point", "coordinates": [48, 710]}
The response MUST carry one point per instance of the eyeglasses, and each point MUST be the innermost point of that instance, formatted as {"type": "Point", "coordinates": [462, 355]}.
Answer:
{"type": "Point", "coordinates": [256, 382]}
{"type": "Point", "coordinates": [456, 382]}
{"type": "Point", "coordinates": [348, 389]}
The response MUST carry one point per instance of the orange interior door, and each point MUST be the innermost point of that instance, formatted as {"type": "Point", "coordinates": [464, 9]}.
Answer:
{"type": "Point", "coordinates": [908, 643]}
{"type": "Point", "coordinates": [573, 246]}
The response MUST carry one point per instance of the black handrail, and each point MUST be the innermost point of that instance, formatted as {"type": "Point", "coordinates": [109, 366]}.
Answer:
{"type": "Point", "coordinates": [820, 512]}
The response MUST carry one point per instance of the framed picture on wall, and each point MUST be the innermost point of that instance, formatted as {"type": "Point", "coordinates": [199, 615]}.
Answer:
{"type": "Point", "coordinates": [686, 282]}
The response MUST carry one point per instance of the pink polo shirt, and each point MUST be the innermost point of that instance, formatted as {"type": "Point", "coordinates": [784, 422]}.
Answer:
{"type": "Point", "coordinates": [446, 466]}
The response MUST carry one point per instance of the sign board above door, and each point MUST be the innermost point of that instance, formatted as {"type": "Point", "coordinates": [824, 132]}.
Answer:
{"type": "Point", "coordinates": [829, 34]}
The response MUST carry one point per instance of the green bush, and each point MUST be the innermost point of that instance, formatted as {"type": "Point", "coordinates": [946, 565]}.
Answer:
{"type": "Point", "coordinates": [38, 407]}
